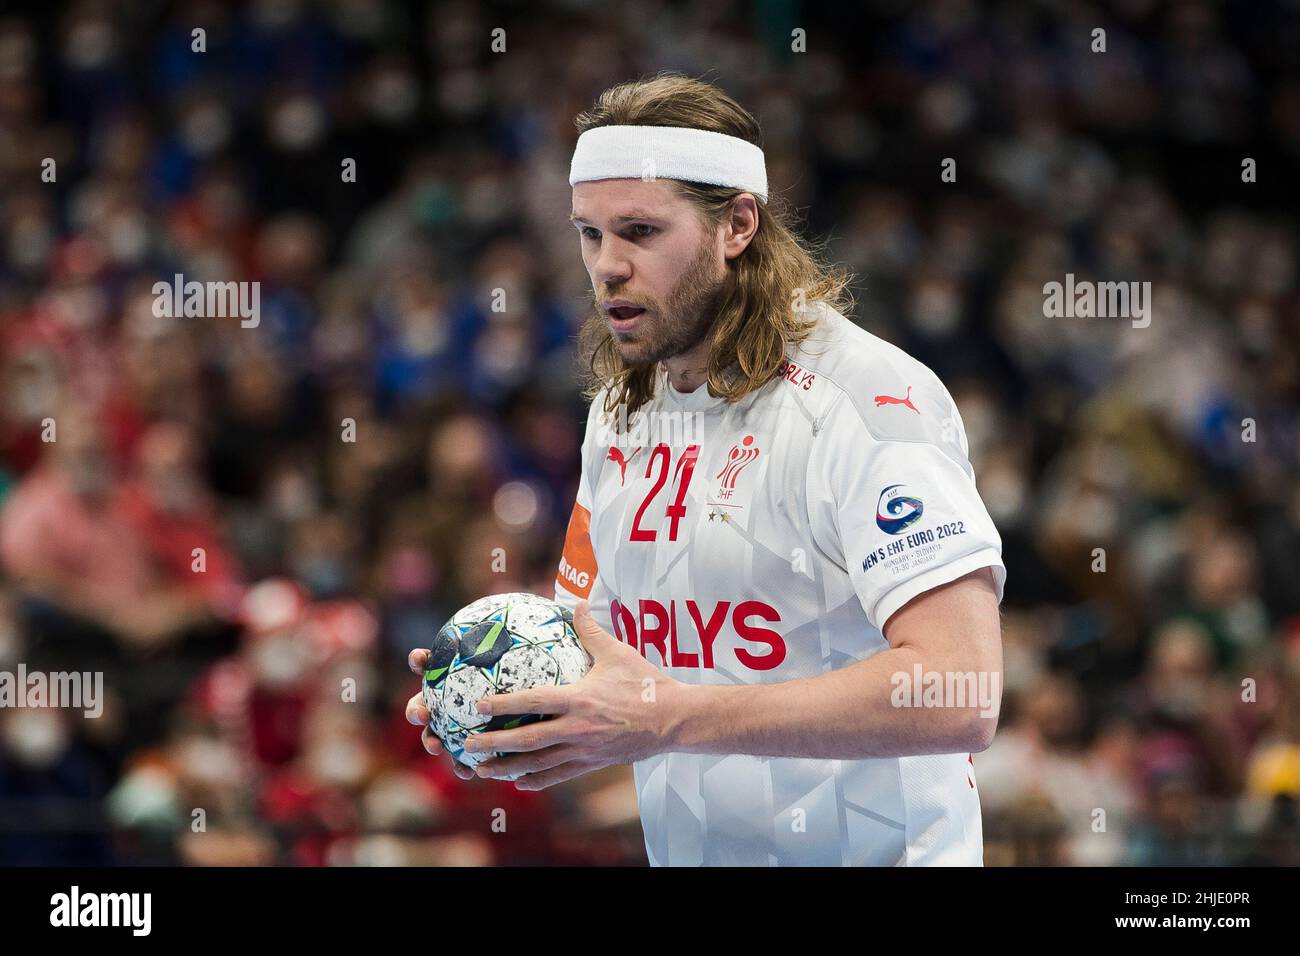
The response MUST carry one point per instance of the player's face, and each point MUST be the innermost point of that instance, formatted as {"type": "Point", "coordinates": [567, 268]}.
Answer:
{"type": "Point", "coordinates": [656, 270]}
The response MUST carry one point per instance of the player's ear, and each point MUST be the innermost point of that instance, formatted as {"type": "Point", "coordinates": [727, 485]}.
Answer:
{"type": "Point", "coordinates": [741, 225]}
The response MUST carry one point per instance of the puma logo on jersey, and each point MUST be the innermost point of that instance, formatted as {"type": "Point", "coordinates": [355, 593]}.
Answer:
{"type": "Point", "coordinates": [616, 455]}
{"type": "Point", "coordinates": [891, 400]}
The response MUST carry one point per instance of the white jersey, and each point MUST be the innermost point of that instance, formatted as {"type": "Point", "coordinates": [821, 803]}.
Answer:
{"type": "Point", "coordinates": [769, 540]}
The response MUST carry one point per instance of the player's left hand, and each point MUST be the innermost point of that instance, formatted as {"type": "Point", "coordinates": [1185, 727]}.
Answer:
{"type": "Point", "coordinates": [618, 713]}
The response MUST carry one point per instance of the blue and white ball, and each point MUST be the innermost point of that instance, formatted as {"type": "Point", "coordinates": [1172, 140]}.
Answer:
{"type": "Point", "coordinates": [497, 645]}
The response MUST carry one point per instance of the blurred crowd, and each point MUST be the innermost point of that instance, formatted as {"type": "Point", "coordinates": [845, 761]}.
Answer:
{"type": "Point", "coordinates": [246, 529]}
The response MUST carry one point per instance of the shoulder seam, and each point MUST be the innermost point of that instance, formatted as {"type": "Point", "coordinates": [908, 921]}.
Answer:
{"type": "Point", "coordinates": [845, 394]}
{"type": "Point", "coordinates": [842, 394]}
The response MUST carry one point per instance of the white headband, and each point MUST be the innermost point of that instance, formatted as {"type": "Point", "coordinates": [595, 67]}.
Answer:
{"type": "Point", "coordinates": [669, 152]}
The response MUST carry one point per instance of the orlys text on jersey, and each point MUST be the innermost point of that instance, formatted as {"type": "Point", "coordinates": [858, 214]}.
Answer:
{"type": "Point", "coordinates": [684, 632]}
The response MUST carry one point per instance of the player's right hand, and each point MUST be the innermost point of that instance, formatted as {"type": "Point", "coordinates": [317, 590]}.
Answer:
{"type": "Point", "coordinates": [418, 714]}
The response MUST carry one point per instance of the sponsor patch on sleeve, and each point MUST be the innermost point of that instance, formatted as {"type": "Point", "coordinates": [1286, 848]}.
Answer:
{"type": "Point", "coordinates": [577, 568]}
{"type": "Point", "coordinates": [913, 543]}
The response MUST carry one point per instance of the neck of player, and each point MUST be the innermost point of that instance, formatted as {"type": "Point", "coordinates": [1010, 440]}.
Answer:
{"type": "Point", "coordinates": [687, 372]}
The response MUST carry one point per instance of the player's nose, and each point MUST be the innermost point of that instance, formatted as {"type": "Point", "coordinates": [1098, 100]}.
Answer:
{"type": "Point", "coordinates": [610, 267]}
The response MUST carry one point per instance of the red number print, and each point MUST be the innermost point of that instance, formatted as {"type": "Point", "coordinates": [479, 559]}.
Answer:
{"type": "Point", "coordinates": [681, 476]}
{"type": "Point", "coordinates": [639, 533]}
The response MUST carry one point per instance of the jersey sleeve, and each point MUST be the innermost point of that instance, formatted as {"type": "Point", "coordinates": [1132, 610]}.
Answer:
{"type": "Point", "coordinates": [893, 499]}
{"type": "Point", "coordinates": [578, 575]}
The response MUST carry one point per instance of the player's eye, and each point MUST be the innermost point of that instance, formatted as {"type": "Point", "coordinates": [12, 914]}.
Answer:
{"type": "Point", "coordinates": [589, 232]}
{"type": "Point", "coordinates": [642, 230]}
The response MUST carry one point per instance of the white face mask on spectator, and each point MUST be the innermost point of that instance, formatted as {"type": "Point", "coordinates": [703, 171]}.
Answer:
{"type": "Point", "coordinates": [339, 762]}
{"type": "Point", "coordinates": [279, 661]}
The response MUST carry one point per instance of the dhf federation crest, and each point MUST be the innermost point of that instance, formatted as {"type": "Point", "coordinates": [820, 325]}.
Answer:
{"type": "Point", "coordinates": [740, 456]}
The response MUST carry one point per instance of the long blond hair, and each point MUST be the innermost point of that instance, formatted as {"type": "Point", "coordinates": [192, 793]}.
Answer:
{"type": "Point", "coordinates": [762, 310]}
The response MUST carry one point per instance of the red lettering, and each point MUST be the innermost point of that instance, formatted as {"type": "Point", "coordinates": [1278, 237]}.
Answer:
{"type": "Point", "coordinates": [680, 658]}
{"type": "Point", "coordinates": [708, 632]}
{"type": "Point", "coordinates": [656, 626]}
{"type": "Point", "coordinates": [759, 635]}
{"type": "Point", "coordinates": [656, 636]}
{"type": "Point", "coordinates": [795, 375]}
{"type": "Point", "coordinates": [623, 619]}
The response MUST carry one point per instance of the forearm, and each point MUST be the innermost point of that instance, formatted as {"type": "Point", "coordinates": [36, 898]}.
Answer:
{"type": "Point", "coordinates": [864, 710]}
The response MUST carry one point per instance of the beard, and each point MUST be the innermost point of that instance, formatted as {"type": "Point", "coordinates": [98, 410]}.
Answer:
{"type": "Point", "coordinates": [678, 324]}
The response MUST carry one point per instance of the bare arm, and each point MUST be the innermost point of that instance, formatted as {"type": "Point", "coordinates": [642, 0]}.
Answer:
{"type": "Point", "coordinates": [853, 712]}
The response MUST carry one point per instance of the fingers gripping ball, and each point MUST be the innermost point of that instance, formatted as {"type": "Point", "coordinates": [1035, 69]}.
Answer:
{"type": "Point", "coordinates": [497, 645]}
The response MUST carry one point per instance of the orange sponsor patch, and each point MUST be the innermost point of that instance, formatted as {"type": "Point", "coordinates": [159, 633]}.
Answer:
{"type": "Point", "coordinates": [578, 563]}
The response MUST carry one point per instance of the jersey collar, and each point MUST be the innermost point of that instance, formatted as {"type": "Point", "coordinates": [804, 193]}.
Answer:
{"type": "Point", "coordinates": [695, 401]}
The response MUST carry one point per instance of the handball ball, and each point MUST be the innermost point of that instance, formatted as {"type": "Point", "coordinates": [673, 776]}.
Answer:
{"type": "Point", "coordinates": [497, 645]}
